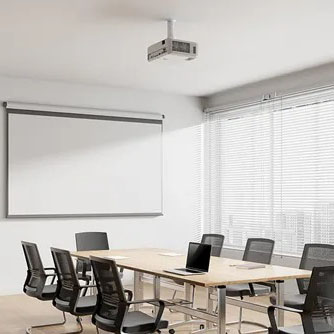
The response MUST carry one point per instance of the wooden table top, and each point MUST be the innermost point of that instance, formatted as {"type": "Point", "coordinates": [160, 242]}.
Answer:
{"type": "Point", "coordinates": [222, 271]}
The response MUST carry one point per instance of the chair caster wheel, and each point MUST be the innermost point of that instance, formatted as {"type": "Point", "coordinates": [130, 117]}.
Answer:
{"type": "Point", "coordinates": [171, 331]}
{"type": "Point", "coordinates": [201, 327]}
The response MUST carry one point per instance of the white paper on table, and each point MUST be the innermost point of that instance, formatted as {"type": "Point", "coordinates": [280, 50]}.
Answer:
{"type": "Point", "coordinates": [116, 257]}
{"type": "Point", "coordinates": [249, 266]}
{"type": "Point", "coordinates": [170, 254]}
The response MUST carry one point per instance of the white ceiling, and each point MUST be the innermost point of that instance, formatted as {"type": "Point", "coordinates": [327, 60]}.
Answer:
{"type": "Point", "coordinates": [105, 41]}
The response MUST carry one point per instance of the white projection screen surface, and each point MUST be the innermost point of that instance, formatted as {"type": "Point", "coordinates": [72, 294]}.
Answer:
{"type": "Point", "coordinates": [64, 165]}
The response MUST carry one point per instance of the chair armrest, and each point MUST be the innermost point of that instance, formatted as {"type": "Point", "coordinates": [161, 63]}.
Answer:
{"type": "Point", "coordinates": [129, 293]}
{"type": "Point", "coordinates": [87, 286]}
{"type": "Point", "coordinates": [159, 314]}
{"type": "Point", "coordinates": [251, 289]}
{"type": "Point", "coordinates": [270, 284]}
{"type": "Point", "coordinates": [50, 275]}
{"type": "Point", "coordinates": [153, 302]}
{"type": "Point", "coordinates": [271, 314]}
{"type": "Point", "coordinates": [285, 308]}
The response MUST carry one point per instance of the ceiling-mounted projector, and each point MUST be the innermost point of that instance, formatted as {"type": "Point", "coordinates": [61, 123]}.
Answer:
{"type": "Point", "coordinates": [171, 48]}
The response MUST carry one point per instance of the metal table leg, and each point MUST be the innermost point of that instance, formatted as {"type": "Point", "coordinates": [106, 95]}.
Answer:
{"type": "Point", "coordinates": [187, 296]}
{"type": "Point", "coordinates": [138, 288]}
{"type": "Point", "coordinates": [209, 306]}
{"type": "Point", "coordinates": [156, 291]}
{"type": "Point", "coordinates": [280, 301]}
{"type": "Point", "coordinates": [221, 324]}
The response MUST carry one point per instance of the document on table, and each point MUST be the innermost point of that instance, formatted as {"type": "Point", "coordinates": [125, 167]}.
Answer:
{"type": "Point", "coordinates": [116, 257]}
{"type": "Point", "coordinates": [250, 266]}
{"type": "Point", "coordinates": [170, 254]}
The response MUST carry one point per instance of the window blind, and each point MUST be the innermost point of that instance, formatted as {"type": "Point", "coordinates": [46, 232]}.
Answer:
{"type": "Point", "coordinates": [269, 172]}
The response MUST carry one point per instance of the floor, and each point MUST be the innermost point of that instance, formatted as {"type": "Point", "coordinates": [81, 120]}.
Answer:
{"type": "Point", "coordinates": [19, 311]}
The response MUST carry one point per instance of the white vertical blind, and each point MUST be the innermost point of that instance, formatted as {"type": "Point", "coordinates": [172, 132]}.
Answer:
{"type": "Point", "coordinates": [269, 172]}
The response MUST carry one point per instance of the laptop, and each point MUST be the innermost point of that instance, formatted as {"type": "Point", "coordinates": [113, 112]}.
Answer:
{"type": "Point", "coordinates": [198, 260]}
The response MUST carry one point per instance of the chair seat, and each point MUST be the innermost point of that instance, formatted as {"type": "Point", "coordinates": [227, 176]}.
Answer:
{"type": "Point", "coordinates": [294, 301]}
{"type": "Point", "coordinates": [134, 322]}
{"type": "Point", "coordinates": [86, 304]}
{"type": "Point", "coordinates": [49, 291]}
{"type": "Point", "coordinates": [298, 329]}
{"type": "Point", "coordinates": [321, 326]}
{"type": "Point", "coordinates": [237, 290]}
{"type": "Point", "coordinates": [138, 321]}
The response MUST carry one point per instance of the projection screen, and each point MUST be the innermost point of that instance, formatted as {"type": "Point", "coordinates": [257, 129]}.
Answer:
{"type": "Point", "coordinates": [64, 164]}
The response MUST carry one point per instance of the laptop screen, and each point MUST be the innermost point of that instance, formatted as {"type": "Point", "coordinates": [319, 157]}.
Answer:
{"type": "Point", "coordinates": [198, 256]}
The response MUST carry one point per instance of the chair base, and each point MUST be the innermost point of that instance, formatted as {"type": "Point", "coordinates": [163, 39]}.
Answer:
{"type": "Point", "coordinates": [185, 322]}
{"type": "Point", "coordinates": [30, 329]}
{"type": "Point", "coordinates": [263, 329]}
{"type": "Point", "coordinates": [208, 330]}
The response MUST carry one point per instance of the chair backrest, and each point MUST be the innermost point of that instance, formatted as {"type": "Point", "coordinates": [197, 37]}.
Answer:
{"type": "Point", "coordinates": [216, 241]}
{"type": "Point", "coordinates": [36, 278]}
{"type": "Point", "coordinates": [314, 255]}
{"type": "Point", "coordinates": [111, 300]}
{"type": "Point", "coordinates": [91, 241]}
{"type": "Point", "coordinates": [318, 310]}
{"type": "Point", "coordinates": [86, 241]}
{"type": "Point", "coordinates": [68, 289]}
{"type": "Point", "coordinates": [259, 250]}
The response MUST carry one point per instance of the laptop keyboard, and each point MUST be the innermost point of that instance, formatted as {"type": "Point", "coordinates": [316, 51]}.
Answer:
{"type": "Point", "coordinates": [191, 271]}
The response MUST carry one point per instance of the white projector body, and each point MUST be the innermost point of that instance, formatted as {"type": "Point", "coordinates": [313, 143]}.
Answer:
{"type": "Point", "coordinates": [171, 48]}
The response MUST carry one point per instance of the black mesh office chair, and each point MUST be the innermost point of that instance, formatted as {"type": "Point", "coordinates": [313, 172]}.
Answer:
{"type": "Point", "coordinates": [113, 302]}
{"type": "Point", "coordinates": [216, 241]}
{"type": "Point", "coordinates": [35, 284]}
{"type": "Point", "coordinates": [92, 241]}
{"type": "Point", "coordinates": [86, 241]}
{"type": "Point", "coordinates": [313, 255]}
{"type": "Point", "coordinates": [257, 250]}
{"type": "Point", "coordinates": [317, 312]}
{"type": "Point", "coordinates": [68, 295]}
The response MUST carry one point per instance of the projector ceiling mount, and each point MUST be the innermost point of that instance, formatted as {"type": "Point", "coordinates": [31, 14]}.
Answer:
{"type": "Point", "coordinates": [171, 48]}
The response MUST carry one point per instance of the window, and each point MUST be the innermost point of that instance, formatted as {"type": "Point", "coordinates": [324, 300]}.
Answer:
{"type": "Point", "coordinates": [269, 172]}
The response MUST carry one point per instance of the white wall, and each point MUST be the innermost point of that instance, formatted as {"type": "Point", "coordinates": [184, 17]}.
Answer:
{"type": "Point", "coordinates": [309, 78]}
{"type": "Point", "coordinates": [181, 173]}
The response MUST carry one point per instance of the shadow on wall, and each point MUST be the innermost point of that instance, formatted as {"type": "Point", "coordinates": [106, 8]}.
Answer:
{"type": "Point", "coordinates": [308, 78]}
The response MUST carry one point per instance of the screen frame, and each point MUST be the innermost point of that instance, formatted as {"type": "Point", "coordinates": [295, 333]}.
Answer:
{"type": "Point", "coordinates": [79, 115]}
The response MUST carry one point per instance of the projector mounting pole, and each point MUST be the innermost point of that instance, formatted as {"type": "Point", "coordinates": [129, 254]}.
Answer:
{"type": "Point", "coordinates": [170, 28]}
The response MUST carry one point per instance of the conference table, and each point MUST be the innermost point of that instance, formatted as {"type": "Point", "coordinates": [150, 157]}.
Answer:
{"type": "Point", "coordinates": [222, 272]}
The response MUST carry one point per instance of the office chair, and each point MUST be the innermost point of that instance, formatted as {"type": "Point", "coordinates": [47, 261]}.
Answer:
{"type": "Point", "coordinates": [91, 241]}
{"type": "Point", "coordinates": [216, 241]}
{"type": "Point", "coordinates": [86, 241]}
{"type": "Point", "coordinates": [35, 284]}
{"type": "Point", "coordinates": [317, 312]}
{"type": "Point", "coordinates": [257, 250]}
{"type": "Point", "coordinates": [113, 302]}
{"type": "Point", "coordinates": [313, 255]}
{"type": "Point", "coordinates": [68, 297]}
